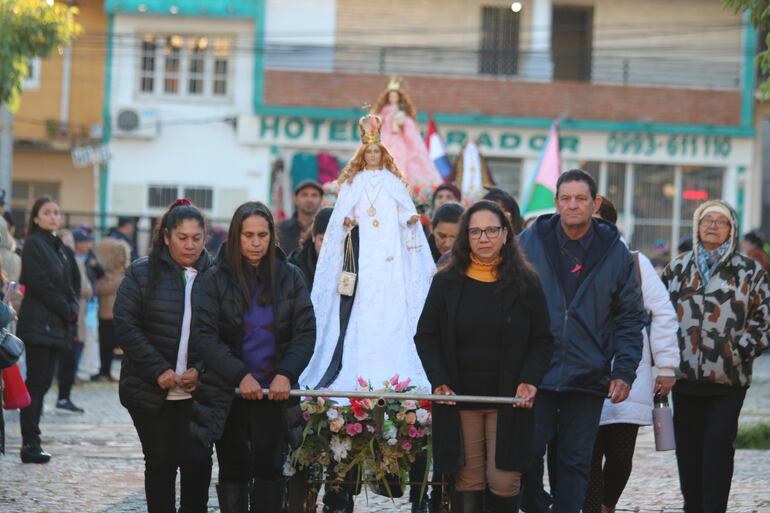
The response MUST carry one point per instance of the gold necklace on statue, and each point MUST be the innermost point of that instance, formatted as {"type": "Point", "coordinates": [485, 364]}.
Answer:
{"type": "Point", "coordinates": [371, 211]}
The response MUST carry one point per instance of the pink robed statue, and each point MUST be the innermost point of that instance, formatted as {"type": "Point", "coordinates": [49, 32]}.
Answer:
{"type": "Point", "coordinates": [402, 137]}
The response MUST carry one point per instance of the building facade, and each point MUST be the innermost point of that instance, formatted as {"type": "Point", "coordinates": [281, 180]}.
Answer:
{"type": "Point", "coordinates": [655, 99]}
{"type": "Point", "coordinates": [61, 110]}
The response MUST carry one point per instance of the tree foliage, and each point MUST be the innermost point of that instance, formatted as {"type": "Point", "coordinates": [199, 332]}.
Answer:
{"type": "Point", "coordinates": [28, 29]}
{"type": "Point", "coordinates": [759, 16]}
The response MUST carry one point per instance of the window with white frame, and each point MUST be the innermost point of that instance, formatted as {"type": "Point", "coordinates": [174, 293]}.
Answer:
{"type": "Point", "coordinates": [185, 66]}
{"type": "Point", "coordinates": [32, 82]}
{"type": "Point", "coordinates": [161, 196]}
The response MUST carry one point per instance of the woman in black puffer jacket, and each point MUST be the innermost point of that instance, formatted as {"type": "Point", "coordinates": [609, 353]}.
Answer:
{"type": "Point", "coordinates": [254, 328]}
{"type": "Point", "coordinates": [47, 315]}
{"type": "Point", "coordinates": [153, 310]}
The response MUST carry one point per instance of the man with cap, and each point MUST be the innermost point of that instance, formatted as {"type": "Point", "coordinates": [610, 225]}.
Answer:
{"type": "Point", "coordinates": [126, 231]}
{"type": "Point", "coordinates": [722, 300]}
{"type": "Point", "coordinates": [307, 201]}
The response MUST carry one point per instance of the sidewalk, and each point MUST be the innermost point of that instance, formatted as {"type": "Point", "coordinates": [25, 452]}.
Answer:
{"type": "Point", "coordinates": [97, 464]}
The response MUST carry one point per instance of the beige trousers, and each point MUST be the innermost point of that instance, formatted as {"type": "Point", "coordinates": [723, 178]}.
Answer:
{"type": "Point", "coordinates": [479, 435]}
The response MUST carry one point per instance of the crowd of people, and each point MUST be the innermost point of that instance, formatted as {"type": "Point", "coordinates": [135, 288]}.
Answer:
{"type": "Point", "coordinates": [561, 315]}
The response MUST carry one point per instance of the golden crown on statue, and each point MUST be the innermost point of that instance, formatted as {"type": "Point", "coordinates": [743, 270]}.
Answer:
{"type": "Point", "coordinates": [395, 83]}
{"type": "Point", "coordinates": [369, 126]}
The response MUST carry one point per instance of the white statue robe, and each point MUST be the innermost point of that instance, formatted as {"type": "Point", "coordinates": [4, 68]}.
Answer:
{"type": "Point", "coordinates": [395, 269]}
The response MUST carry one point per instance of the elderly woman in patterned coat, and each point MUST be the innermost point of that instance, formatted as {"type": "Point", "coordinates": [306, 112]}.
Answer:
{"type": "Point", "coordinates": [722, 299]}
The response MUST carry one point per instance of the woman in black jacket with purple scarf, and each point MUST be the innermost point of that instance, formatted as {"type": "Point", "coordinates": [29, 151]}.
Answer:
{"type": "Point", "coordinates": [254, 328]}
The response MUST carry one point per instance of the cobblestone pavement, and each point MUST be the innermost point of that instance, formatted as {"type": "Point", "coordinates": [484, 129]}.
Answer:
{"type": "Point", "coordinates": [97, 463]}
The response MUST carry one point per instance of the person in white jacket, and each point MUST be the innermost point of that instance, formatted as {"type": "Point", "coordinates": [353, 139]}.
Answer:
{"type": "Point", "coordinates": [619, 424]}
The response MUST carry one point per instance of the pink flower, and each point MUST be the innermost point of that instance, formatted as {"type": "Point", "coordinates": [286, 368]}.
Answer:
{"type": "Point", "coordinates": [306, 416]}
{"type": "Point", "coordinates": [413, 432]}
{"type": "Point", "coordinates": [403, 385]}
{"type": "Point", "coordinates": [362, 382]}
{"type": "Point", "coordinates": [394, 380]}
{"type": "Point", "coordinates": [406, 445]}
{"type": "Point", "coordinates": [354, 429]}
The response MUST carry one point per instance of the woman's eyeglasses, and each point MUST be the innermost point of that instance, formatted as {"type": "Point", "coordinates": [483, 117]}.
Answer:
{"type": "Point", "coordinates": [492, 232]}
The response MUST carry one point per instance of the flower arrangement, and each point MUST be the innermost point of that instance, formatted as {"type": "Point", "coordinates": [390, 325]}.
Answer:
{"type": "Point", "coordinates": [422, 196]}
{"type": "Point", "coordinates": [378, 439]}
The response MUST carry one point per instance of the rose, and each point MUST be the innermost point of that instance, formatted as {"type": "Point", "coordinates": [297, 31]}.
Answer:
{"type": "Point", "coordinates": [426, 405]}
{"type": "Point", "coordinates": [406, 445]}
{"type": "Point", "coordinates": [394, 380]}
{"type": "Point", "coordinates": [423, 416]}
{"type": "Point", "coordinates": [413, 432]}
{"type": "Point", "coordinates": [306, 415]}
{"type": "Point", "coordinates": [370, 428]}
{"type": "Point", "coordinates": [332, 414]}
{"type": "Point", "coordinates": [410, 418]}
{"type": "Point", "coordinates": [354, 429]}
{"type": "Point", "coordinates": [336, 425]}
{"type": "Point", "coordinates": [410, 405]}
{"type": "Point", "coordinates": [392, 441]}
{"type": "Point", "coordinates": [403, 385]}
{"type": "Point", "coordinates": [362, 382]}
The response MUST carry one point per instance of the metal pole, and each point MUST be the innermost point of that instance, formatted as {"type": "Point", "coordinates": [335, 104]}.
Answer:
{"type": "Point", "coordinates": [400, 396]}
{"type": "Point", "coordinates": [6, 153]}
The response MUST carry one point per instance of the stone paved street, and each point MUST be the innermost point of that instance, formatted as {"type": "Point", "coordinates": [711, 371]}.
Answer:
{"type": "Point", "coordinates": [97, 465]}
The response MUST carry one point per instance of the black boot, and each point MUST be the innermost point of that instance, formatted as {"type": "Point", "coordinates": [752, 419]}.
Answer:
{"type": "Point", "coordinates": [467, 502]}
{"type": "Point", "coordinates": [266, 496]}
{"type": "Point", "coordinates": [32, 453]}
{"type": "Point", "coordinates": [233, 497]}
{"type": "Point", "coordinates": [503, 504]}
{"type": "Point", "coordinates": [339, 500]}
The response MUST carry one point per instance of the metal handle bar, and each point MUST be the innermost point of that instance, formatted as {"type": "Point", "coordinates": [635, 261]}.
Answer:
{"type": "Point", "coordinates": [406, 396]}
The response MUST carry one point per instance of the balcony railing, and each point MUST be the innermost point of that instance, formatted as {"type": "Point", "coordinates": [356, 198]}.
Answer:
{"type": "Point", "coordinates": [719, 69]}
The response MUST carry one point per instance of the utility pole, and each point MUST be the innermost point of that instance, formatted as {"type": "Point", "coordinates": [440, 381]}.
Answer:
{"type": "Point", "coordinates": [6, 153]}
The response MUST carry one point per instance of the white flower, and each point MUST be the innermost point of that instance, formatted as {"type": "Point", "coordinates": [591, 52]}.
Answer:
{"type": "Point", "coordinates": [288, 468]}
{"type": "Point", "coordinates": [340, 447]}
{"type": "Point", "coordinates": [392, 441]}
{"type": "Point", "coordinates": [332, 414]}
{"type": "Point", "coordinates": [410, 405]}
{"type": "Point", "coordinates": [423, 415]}
{"type": "Point", "coordinates": [390, 433]}
{"type": "Point", "coordinates": [370, 428]}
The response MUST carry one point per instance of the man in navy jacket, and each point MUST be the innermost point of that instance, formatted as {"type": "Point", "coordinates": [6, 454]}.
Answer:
{"type": "Point", "coordinates": [597, 314]}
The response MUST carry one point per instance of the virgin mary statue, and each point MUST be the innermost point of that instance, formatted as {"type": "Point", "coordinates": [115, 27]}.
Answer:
{"type": "Point", "coordinates": [372, 278]}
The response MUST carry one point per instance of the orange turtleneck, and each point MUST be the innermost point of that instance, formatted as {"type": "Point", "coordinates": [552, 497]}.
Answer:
{"type": "Point", "coordinates": [481, 271]}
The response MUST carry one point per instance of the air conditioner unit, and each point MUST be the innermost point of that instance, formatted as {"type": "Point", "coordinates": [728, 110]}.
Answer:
{"type": "Point", "coordinates": [136, 123]}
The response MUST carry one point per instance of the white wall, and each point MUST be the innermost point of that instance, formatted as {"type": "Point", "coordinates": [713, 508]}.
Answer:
{"type": "Point", "coordinates": [300, 34]}
{"type": "Point", "coordinates": [195, 146]}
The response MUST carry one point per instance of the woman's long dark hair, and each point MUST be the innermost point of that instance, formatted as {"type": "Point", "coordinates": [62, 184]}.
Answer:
{"type": "Point", "coordinates": [513, 271]}
{"type": "Point", "coordinates": [242, 271]}
{"type": "Point", "coordinates": [32, 226]}
{"type": "Point", "coordinates": [176, 213]}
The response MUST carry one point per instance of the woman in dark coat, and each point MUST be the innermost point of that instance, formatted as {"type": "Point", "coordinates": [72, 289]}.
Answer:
{"type": "Point", "coordinates": [484, 331]}
{"type": "Point", "coordinates": [46, 316]}
{"type": "Point", "coordinates": [153, 310]}
{"type": "Point", "coordinates": [254, 329]}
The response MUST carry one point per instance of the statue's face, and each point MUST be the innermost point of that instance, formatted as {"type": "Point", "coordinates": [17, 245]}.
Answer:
{"type": "Point", "coordinates": [393, 97]}
{"type": "Point", "coordinates": [373, 156]}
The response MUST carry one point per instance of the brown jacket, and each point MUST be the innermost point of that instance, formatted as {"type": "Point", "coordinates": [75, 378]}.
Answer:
{"type": "Point", "coordinates": [115, 256]}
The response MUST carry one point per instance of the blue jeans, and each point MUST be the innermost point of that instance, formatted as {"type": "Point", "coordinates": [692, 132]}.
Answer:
{"type": "Point", "coordinates": [572, 421]}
